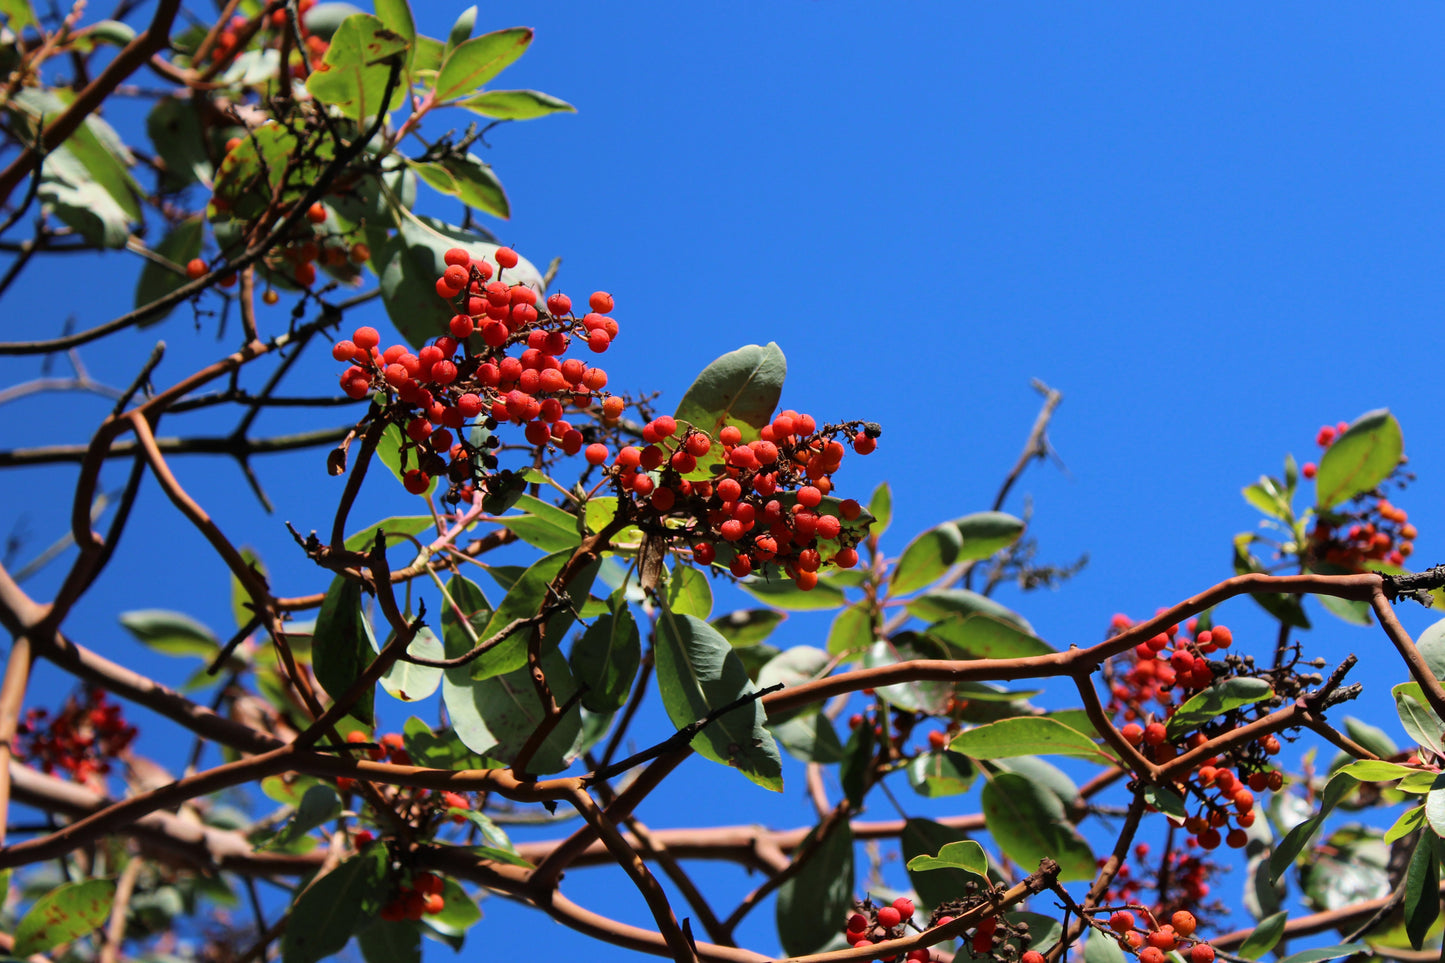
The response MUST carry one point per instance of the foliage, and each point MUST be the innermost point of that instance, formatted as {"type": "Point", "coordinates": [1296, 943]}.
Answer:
{"type": "Point", "coordinates": [563, 564]}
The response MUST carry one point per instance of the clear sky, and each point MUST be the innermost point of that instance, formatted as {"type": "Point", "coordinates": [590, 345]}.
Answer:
{"type": "Point", "coordinates": [1212, 228]}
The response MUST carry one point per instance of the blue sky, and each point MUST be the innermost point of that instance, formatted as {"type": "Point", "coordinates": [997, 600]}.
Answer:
{"type": "Point", "coordinates": [1212, 228]}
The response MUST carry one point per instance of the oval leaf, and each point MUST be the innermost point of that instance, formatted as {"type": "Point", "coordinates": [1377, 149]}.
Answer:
{"type": "Point", "coordinates": [336, 907]}
{"type": "Point", "coordinates": [471, 64]}
{"type": "Point", "coordinates": [1360, 459]}
{"type": "Point", "coordinates": [1037, 736]}
{"type": "Point", "coordinates": [1215, 700]}
{"type": "Point", "coordinates": [69, 911]}
{"type": "Point", "coordinates": [515, 104]}
{"type": "Point", "coordinates": [698, 672]}
{"type": "Point", "coordinates": [343, 646]}
{"type": "Point", "coordinates": [1027, 821]}
{"type": "Point", "coordinates": [924, 838]}
{"type": "Point", "coordinates": [926, 558]}
{"type": "Point", "coordinates": [965, 854]}
{"type": "Point", "coordinates": [741, 388]}
{"type": "Point", "coordinates": [985, 533]}
{"type": "Point", "coordinates": [408, 681]}
{"type": "Point", "coordinates": [606, 658]}
{"type": "Point", "coordinates": [170, 632]}
{"type": "Point", "coordinates": [813, 900]}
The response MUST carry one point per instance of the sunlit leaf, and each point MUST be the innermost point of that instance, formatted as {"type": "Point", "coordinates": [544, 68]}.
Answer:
{"type": "Point", "coordinates": [358, 63]}
{"type": "Point", "coordinates": [471, 64]}
{"type": "Point", "coordinates": [1359, 459]}
{"type": "Point", "coordinates": [1028, 823]}
{"type": "Point", "coordinates": [515, 104]}
{"type": "Point", "coordinates": [69, 911]}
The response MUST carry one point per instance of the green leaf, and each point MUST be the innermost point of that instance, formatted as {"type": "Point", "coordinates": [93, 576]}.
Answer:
{"type": "Point", "coordinates": [515, 104]}
{"type": "Point", "coordinates": [1409, 821]}
{"type": "Point", "coordinates": [270, 162]}
{"type": "Point", "coordinates": [319, 805]}
{"type": "Point", "coordinates": [745, 627]}
{"type": "Point", "coordinates": [1326, 953]}
{"type": "Point", "coordinates": [343, 645]}
{"type": "Point", "coordinates": [1031, 736]}
{"type": "Point", "coordinates": [17, 15]}
{"type": "Point", "coordinates": [171, 632]}
{"type": "Point", "coordinates": [459, 914]}
{"type": "Point", "coordinates": [941, 603]}
{"type": "Point", "coordinates": [181, 244]}
{"type": "Point", "coordinates": [741, 389]}
{"type": "Point", "coordinates": [854, 775]}
{"type": "Point", "coordinates": [1219, 698]}
{"type": "Point", "coordinates": [813, 900]}
{"type": "Point", "coordinates": [337, 906]}
{"type": "Point", "coordinates": [94, 146]}
{"type": "Point", "coordinates": [1360, 459]}
{"type": "Point", "coordinates": [354, 73]}
{"type": "Point", "coordinates": [174, 128]}
{"type": "Point", "coordinates": [941, 773]}
{"type": "Point", "coordinates": [397, 525]}
{"type": "Point", "coordinates": [461, 29]}
{"type": "Point", "coordinates": [965, 854]}
{"type": "Point", "coordinates": [508, 710]}
{"type": "Point", "coordinates": [785, 594]}
{"type": "Point", "coordinates": [474, 62]}
{"type": "Point", "coordinates": [476, 185]}
{"type": "Point", "coordinates": [697, 672]}
{"type": "Point", "coordinates": [795, 666]}
{"type": "Point", "coordinates": [1027, 821]}
{"type": "Point", "coordinates": [688, 592]}
{"type": "Point", "coordinates": [389, 450]}
{"type": "Point", "coordinates": [1371, 737]}
{"type": "Point", "coordinates": [1166, 800]}
{"type": "Point", "coordinates": [241, 603]}
{"type": "Point", "coordinates": [979, 635]}
{"type": "Point", "coordinates": [1422, 889]}
{"type": "Point", "coordinates": [985, 533]}
{"type": "Point", "coordinates": [925, 559]}
{"type": "Point", "coordinates": [438, 750]}
{"type": "Point", "coordinates": [408, 681]}
{"type": "Point", "coordinates": [385, 941]}
{"type": "Point", "coordinates": [412, 260]}
{"type": "Point", "coordinates": [922, 838]}
{"type": "Point", "coordinates": [1102, 949]}
{"type": "Point", "coordinates": [930, 697]}
{"type": "Point", "coordinates": [1431, 644]}
{"type": "Point", "coordinates": [605, 659]}
{"type": "Point", "coordinates": [808, 737]}
{"type": "Point", "coordinates": [880, 506]}
{"type": "Point", "coordinates": [1294, 841]}
{"type": "Point", "coordinates": [852, 630]}
{"type": "Point", "coordinates": [1376, 770]}
{"type": "Point", "coordinates": [1266, 496]}
{"type": "Point", "coordinates": [69, 911]}
{"type": "Point", "coordinates": [525, 600]}
{"type": "Point", "coordinates": [543, 526]}
{"type": "Point", "coordinates": [1419, 720]}
{"type": "Point", "coordinates": [1266, 936]}
{"type": "Point", "coordinates": [396, 16]}
{"type": "Point", "coordinates": [1287, 608]}
{"type": "Point", "coordinates": [1435, 805]}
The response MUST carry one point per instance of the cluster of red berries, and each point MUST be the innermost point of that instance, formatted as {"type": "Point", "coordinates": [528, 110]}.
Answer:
{"type": "Point", "coordinates": [1142, 690]}
{"type": "Point", "coordinates": [389, 748]}
{"type": "Point", "coordinates": [1154, 943]}
{"type": "Point", "coordinates": [228, 42]}
{"type": "Point", "coordinates": [768, 502]}
{"type": "Point", "coordinates": [870, 924]}
{"type": "Point", "coordinates": [79, 740]}
{"type": "Point", "coordinates": [500, 362]}
{"type": "Point", "coordinates": [1179, 884]}
{"type": "Point", "coordinates": [421, 897]}
{"type": "Point", "coordinates": [1377, 532]}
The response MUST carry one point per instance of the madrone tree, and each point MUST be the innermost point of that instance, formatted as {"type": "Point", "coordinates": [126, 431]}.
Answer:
{"type": "Point", "coordinates": [549, 565]}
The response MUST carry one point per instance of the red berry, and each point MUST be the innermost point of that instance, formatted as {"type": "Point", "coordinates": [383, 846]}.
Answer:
{"type": "Point", "coordinates": [601, 302]}
{"type": "Point", "coordinates": [741, 566]}
{"type": "Point", "coordinates": [846, 558]}
{"type": "Point", "coordinates": [559, 304]}
{"type": "Point", "coordinates": [1201, 953]}
{"type": "Point", "coordinates": [506, 257]}
{"type": "Point", "coordinates": [596, 453]}
{"type": "Point", "coordinates": [195, 268]}
{"type": "Point", "coordinates": [416, 481]}
{"type": "Point", "coordinates": [889, 917]}
{"type": "Point", "coordinates": [1184, 923]}
{"type": "Point", "coordinates": [457, 256]}
{"type": "Point", "coordinates": [1151, 954]}
{"type": "Point", "coordinates": [1122, 921]}
{"type": "Point", "coordinates": [904, 906]}
{"type": "Point", "coordinates": [1032, 956]}
{"type": "Point", "coordinates": [850, 509]}
{"type": "Point", "coordinates": [316, 213]}
{"type": "Point", "coordinates": [1308, 469]}
{"type": "Point", "coordinates": [703, 553]}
